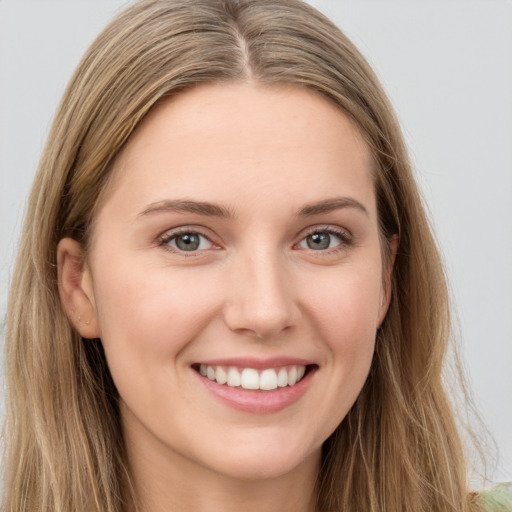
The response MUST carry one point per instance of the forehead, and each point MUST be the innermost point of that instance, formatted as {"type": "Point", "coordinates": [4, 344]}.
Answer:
{"type": "Point", "coordinates": [239, 142]}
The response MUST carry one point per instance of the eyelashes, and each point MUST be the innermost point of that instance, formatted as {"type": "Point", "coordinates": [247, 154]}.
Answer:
{"type": "Point", "coordinates": [325, 239]}
{"type": "Point", "coordinates": [192, 242]}
{"type": "Point", "coordinates": [188, 241]}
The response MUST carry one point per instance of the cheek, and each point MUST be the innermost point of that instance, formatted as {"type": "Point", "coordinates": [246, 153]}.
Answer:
{"type": "Point", "coordinates": [153, 313]}
{"type": "Point", "coordinates": [146, 322]}
{"type": "Point", "coordinates": [346, 305]}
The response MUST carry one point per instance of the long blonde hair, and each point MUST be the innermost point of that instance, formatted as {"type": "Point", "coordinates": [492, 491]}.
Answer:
{"type": "Point", "coordinates": [398, 449]}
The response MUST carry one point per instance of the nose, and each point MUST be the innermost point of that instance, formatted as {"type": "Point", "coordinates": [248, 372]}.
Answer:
{"type": "Point", "coordinates": [261, 301]}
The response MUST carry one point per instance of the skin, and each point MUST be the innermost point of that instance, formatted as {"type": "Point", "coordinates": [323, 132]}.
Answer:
{"type": "Point", "coordinates": [254, 288]}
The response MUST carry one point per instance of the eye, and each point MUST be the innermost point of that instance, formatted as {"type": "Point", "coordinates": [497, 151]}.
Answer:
{"type": "Point", "coordinates": [323, 240]}
{"type": "Point", "coordinates": [187, 241]}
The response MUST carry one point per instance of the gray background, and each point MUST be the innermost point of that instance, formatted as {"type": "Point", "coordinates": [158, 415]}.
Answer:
{"type": "Point", "coordinates": [447, 66]}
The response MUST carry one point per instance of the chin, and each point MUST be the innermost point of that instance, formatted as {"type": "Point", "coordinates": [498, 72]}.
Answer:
{"type": "Point", "coordinates": [273, 461]}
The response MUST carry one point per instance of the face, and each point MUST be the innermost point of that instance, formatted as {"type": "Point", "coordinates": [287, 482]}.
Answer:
{"type": "Point", "coordinates": [235, 279]}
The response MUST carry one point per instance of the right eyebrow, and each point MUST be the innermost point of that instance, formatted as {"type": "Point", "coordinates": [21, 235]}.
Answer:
{"type": "Point", "coordinates": [330, 205]}
{"type": "Point", "coordinates": [187, 206]}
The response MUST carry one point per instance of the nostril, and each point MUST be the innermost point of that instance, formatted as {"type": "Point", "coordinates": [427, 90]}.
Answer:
{"type": "Point", "coordinates": [261, 309]}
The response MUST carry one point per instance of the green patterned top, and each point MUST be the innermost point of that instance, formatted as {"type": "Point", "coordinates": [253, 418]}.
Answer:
{"type": "Point", "coordinates": [498, 499]}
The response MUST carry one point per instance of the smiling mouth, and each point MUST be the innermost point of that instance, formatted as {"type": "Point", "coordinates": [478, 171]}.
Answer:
{"type": "Point", "coordinates": [252, 379]}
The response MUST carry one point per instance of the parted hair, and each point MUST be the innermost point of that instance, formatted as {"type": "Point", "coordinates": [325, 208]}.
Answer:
{"type": "Point", "coordinates": [398, 449]}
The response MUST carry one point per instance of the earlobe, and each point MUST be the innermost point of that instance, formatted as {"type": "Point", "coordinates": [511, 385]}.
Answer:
{"type": "Point", "coordinates": [388, 278]}
{"type": "Point", "coordinates": [76, 288]}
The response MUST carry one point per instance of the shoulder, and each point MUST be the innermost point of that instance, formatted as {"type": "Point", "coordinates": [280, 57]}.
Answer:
{"type": "Point", "coordinates": [497, 499]}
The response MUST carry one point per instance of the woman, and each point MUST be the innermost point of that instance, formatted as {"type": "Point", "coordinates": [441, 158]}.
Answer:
{"type": "Point", "coordinates": [227, 293]}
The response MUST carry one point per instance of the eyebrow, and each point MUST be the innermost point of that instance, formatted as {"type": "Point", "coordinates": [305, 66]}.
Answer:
{"type": "Point", "coordinates": [329, 205]}
{"type": "Point", "coordinates": [187, 206]}
{"type": "Point", "coordinates": [214, 210]}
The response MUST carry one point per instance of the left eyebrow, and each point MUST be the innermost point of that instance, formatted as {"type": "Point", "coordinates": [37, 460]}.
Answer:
{"type": "Point", "coordinates": [329, 205]}
{"type": "Point", "coordinates": [187, 206]}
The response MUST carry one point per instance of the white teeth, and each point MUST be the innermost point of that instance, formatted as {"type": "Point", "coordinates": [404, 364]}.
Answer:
{"type": "Point", "coordinates": [282, 378]}
{"type": "Point", "coordinates": [292, 376]}
{"type": "Point", "coordinates": [220, 375]}
{"type": "Point", "coordinates": [249, 378]}
{"type": "Point", "coordinates": [234, 377]}
{"type": "Point", "coordinates": [268, 380]}
{"type": "Point", "coordinates": [210, 372]}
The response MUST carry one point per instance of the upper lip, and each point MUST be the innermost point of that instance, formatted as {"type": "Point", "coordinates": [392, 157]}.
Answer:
{"type": "Point", "coordinates": [256, 363]}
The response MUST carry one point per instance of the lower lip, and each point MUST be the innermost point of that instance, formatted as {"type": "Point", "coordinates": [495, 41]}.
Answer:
{"type": "Point", "coordinates": [258, 402]}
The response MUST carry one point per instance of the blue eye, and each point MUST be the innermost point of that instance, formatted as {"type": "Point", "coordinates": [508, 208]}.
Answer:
{"type": "Point", "coordinates": [322, 240]}
{"type": "Point", "coordinates": [188, 241]}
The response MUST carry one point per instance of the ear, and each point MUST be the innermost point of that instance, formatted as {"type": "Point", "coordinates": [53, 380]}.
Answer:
{"type": "Point", "coordinates": [76, 288]}
{"type": "Point", "coordinates": [387, 278]}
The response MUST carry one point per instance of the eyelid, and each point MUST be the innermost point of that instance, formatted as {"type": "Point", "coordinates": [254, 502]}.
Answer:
{"type": "Point", "coordinates": [343, 234]}
{"type": "Point", "coordinates": [163, 239]}
{"type": "Point", "coordinates": [326, 228]}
